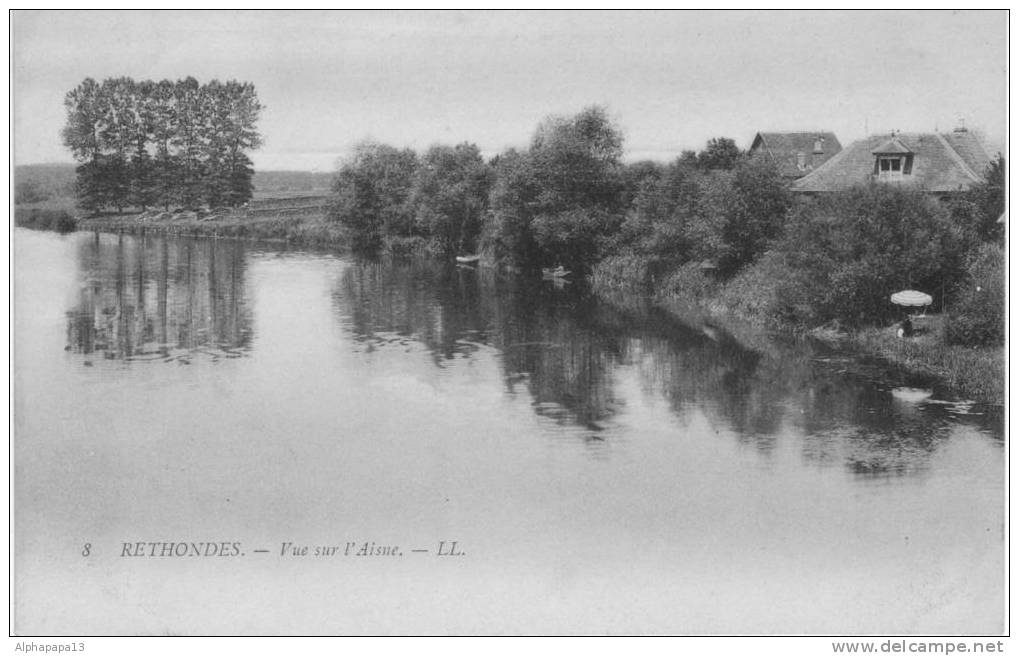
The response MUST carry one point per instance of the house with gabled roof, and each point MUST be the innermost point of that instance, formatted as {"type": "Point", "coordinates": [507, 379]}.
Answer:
{"type": "Point", "coordinates": [795, 153]}
{"type": "Point", "coordinates": [937, 163]}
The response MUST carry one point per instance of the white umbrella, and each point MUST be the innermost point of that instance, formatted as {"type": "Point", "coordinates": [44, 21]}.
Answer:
{"type": "Point", "coordinates": [911, 298]}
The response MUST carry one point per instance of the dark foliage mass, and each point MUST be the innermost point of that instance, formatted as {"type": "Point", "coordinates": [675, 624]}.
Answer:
{"type": "Point", "coordinates": [721, 153]}
{"type": "Point", "coordinates": [723, 219]}
{"type": "Point", "coordinates": [978, 316]}
{"type": "Point", "coordinates": [559, 202]}
{"type": "Point", "coordinates": [983, 205]}
{"type": "Point", "coordinates": [371, 194]}
{"type": "Point", "coordinates": [844, 254]}
{"type": "Point", "coordinates": [448, 198]}
{"type": "Point", "coordinates": [713, 223]}
{"type": "Point", "coordinates": [164, 143]}
{"type": "Point", "coordinates": [44, 219]}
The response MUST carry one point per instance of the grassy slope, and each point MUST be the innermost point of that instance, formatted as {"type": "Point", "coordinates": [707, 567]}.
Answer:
{"type": "Point", "coordinates": [974, 373]}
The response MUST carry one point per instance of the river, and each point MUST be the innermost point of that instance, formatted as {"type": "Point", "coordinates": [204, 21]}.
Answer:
{"type": "Point", "coordinates": [600, 465]}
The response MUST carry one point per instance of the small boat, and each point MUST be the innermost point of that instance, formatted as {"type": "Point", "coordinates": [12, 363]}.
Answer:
{"type": "Point", "coordinates": [558, 272]}
{"type": "Point", "coordinates": [467, 259]}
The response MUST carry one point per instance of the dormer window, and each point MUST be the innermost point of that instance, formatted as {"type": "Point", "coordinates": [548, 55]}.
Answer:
{"type": "Point", "coordinates": [801, 161]}
{"type": "Point", "coordinates": [890, 167]}
{"type": "Point", "coordinates": [892, 160]}
{"type": "Point", "coordinates": [819, 146]}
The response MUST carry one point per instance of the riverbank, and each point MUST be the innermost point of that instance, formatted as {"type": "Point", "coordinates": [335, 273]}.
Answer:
{"type": "Point", "coordinates": [304, 229]}
{"type": "Point", "coordinates": [46, 215]}
{"type": "Point", "coordinates": [976, 374]}
{"type": "Point", "coordinates": [973, 373]}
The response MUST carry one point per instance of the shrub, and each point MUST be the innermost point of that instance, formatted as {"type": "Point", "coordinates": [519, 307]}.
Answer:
{"type": "Point", "coordinates": [661, 213]}
{"type": "Point", "coordinates": [627, 271]}
{"type": "Point", "coordinates": [755, 214]}
{"type": "Point", "coordinates": [689, 282]}
{"type": "Point", "coordinates": [978, 315]}
{"type": "Point", "coordinates": [405, 246]}
{"type": "Point", "coordinates": [770, 290]}
{"type": "Point", "coordinates": [853, 249]}
{"type": "Point", "coordinates": [448, 197]}
{"type": "Point", "coordinates": [980, 207]}
{"type": "Point", "coordinates": [370, 195]}
{"type": "Point", "coordinates": [506, 233]}
{"type": "Point", "coordinates": [573, 237]}
{"type": "Point", "coordinates": [561, 200]}
{"type": "Point", "coordinates": [729, 215]}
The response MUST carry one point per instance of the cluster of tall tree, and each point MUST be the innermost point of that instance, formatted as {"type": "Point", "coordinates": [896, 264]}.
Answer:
{"type": "Point", "coordinates": [721, 216]}
{"type": "Point", "coordinates": [559, 201]}
{"type": "Point", "coordinates": [553, 202]}
{"type": "Point", "coordinates": [162, 144]}
{"type": "Point", "coordinates": [566, 199]}
{"type": "Point", "coordinates": [393, 199]}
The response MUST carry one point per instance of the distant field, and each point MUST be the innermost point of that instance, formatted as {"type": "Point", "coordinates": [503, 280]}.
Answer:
{"type": "Point", "coordinates": [35, 183]}
{"type": "Point", "coordinates": [291, 183]}
{"type": "Point", "coordinates": [285, 205]}
{"type": "Point", "coordinates": [278, 193]}
{"type": "Point", "coordinates": [44, 183]}
{"type": "Point", "coordinates": [65, 203]}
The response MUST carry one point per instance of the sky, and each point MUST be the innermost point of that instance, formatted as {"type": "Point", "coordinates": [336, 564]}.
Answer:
{"type": "Point", "coordinates": [670, 79]}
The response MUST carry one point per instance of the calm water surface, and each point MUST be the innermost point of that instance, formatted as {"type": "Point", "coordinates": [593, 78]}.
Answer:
{"type": "Point", "coordinates": [605, 468]}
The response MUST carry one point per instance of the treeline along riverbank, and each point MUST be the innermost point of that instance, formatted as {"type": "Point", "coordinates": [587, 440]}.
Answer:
{"type": "Point", "coordinates": [715, 228]}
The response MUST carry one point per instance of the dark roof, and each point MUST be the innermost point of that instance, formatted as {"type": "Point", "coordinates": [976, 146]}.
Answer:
{"type": "Point", "coordinates": [785, 148]}
{"type": "Point", "coordinates": [941, 163]}
{"type": "Point", "coordinates": [972, 148]}
{"type": "Point", "coordinates": [892, 147]}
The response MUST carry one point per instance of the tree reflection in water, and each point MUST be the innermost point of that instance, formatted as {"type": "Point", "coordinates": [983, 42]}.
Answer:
{"type": "Point", "coordinates": [540, 333]}
{"type": "Point", "coordinates": [566, 348]}
{"type": "Point", "coordinates": [152, 298]}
